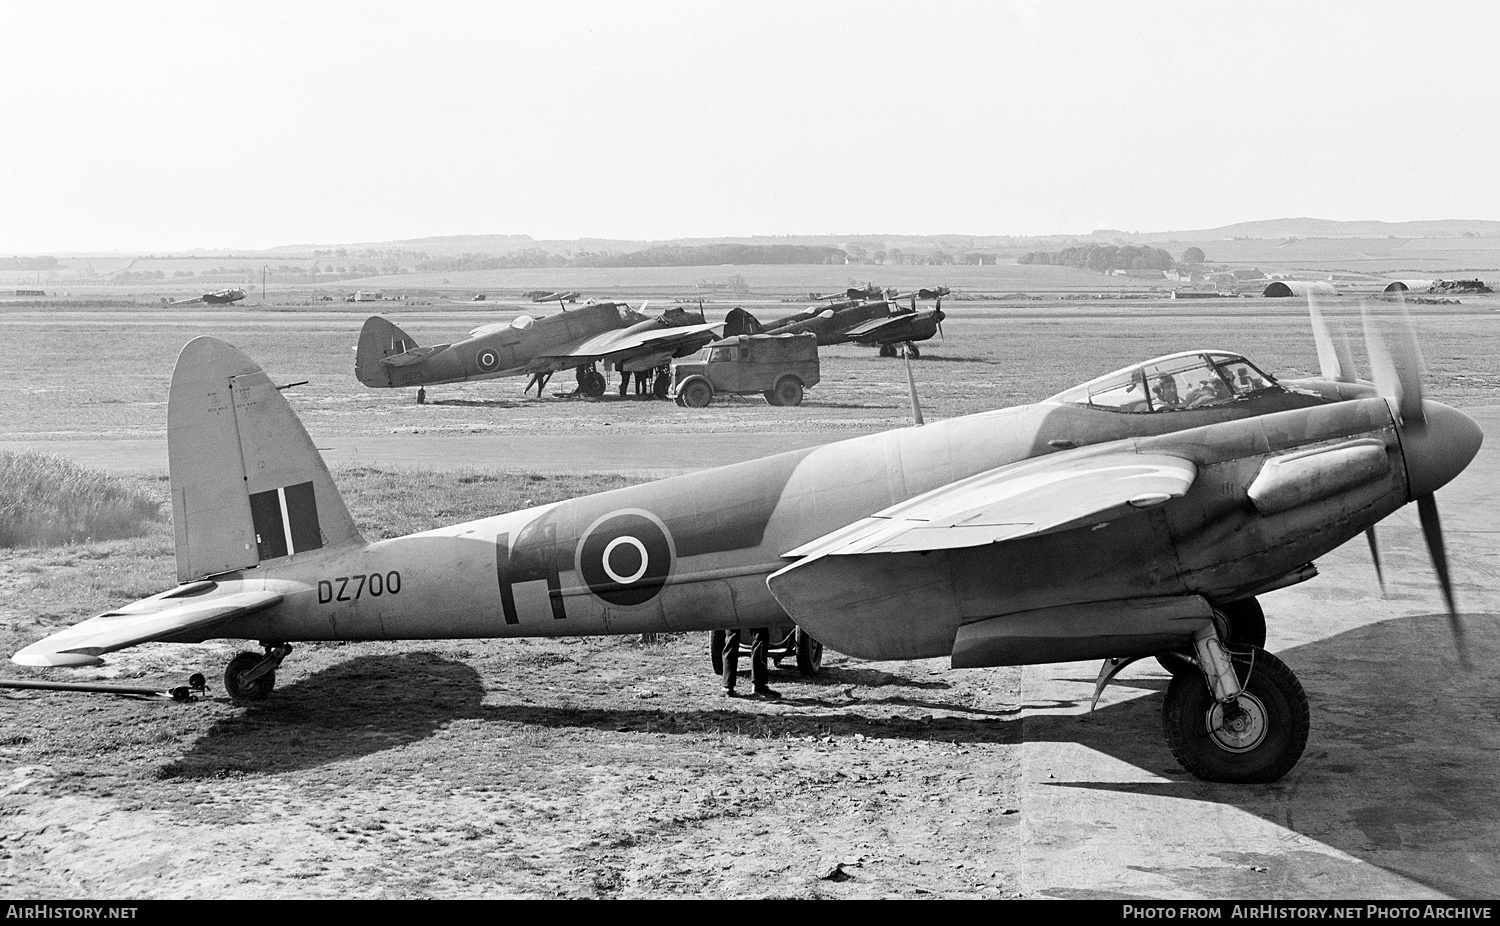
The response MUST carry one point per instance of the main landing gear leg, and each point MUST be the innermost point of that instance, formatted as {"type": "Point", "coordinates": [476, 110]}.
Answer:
{"type": "Point", "coordinates": [1243, 718]}
{"type": "Point", "coordinates": [250, 676]}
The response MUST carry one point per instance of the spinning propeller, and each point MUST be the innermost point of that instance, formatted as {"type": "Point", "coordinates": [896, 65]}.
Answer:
{"type": "Point", "coordinates": [1437, 442]}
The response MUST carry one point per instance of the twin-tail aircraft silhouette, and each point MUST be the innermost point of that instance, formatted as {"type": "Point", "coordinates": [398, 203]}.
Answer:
{"type": "Point", "coordinates": [217, 297]}
{"type": "Point", "coordinates": [610, 333]}
{"type": "Point", "coordinates": [870, 316]}
{"type": "Point", "coordinates": [1140, 514]}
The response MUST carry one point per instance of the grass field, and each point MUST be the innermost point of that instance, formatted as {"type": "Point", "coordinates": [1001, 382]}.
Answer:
{"type": "Point", "coordinates": [105, 373]}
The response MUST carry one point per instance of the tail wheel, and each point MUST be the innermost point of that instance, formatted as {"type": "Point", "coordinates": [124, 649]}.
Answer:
{"type": "Point", "coordinates": [697, 393]}
{"type": "Point", "coordinates": [809, 654]}
{"type": "Point", "coordinates": [1255, 739]}
{"type": "Point", "coordinates": [789, 391]}
{"type": "Point", "coordinates": [247, 690]}
{"type": "Point", "coordinates": [716, 650]}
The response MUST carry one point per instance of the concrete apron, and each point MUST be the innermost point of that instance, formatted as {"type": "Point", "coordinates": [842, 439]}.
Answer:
{"type": "Point", "coordinates": [1398, 793]}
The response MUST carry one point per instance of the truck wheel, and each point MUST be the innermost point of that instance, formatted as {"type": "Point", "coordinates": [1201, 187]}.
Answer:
{"type": "Point", "coordinates": [697, 393]}
{"type": "Point", "coordinates": [789, 391]}
{"type": "Point", "coordinates": [771, 399]}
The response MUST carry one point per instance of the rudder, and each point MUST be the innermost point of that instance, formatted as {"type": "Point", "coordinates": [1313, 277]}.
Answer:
{"type": "Point", "coordinates": [248, 485]}
{"type": "Point", "coordinates": [379, 339]}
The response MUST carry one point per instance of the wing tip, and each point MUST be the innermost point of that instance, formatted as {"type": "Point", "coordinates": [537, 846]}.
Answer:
{"type": "Point", "coordinates": [53, 659]}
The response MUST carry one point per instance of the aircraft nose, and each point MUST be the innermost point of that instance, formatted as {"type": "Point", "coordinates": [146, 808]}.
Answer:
{"type": "Point", "coordinates": [1440, 449]}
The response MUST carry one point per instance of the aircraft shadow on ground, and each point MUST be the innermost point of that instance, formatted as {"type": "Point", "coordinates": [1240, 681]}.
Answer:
{"type": "Point", "coordinates": [1402, 766]}
{"type": "Point", "coordinates": [480, 403]}
{"type": "Point", "coordinates": [355, 708]}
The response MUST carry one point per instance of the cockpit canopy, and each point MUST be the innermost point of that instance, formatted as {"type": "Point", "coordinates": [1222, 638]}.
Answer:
{"type": "Point", "coordinates": [1195, 379]}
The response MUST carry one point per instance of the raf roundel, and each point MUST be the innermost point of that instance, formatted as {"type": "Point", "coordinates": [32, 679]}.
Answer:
{"type": "Point", "coordinates": [488, 359]}
{"type": "Point", "coordinates": [625, 557]}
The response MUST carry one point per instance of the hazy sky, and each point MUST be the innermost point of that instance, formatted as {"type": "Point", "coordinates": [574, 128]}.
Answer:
{"type": "Point", "coordinates": [160, 126]}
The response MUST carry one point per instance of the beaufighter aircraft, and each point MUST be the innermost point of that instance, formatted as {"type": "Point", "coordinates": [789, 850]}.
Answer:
{"type": "Point", "coordinates": [1139, 514]}
{"type": "Point", "coordinates": [602, 332]}
{"type": "Point", "coordinates": [869, 316]}
{"type": "Point", "coordinates": [217, 297]}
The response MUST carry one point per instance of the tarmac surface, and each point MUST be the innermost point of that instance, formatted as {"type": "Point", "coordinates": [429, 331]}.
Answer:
{"type": "Point", "coordinates": [1396, 797]}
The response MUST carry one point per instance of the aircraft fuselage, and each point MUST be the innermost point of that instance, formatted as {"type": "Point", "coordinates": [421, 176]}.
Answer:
{"type": "Point", "coordinates": [694, 552]}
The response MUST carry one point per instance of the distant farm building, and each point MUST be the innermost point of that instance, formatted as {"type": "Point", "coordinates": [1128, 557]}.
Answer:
{"type": "Point", "coordinates": [1282, 288]}
{"type": "Point", "coordinates": [1409, 286]}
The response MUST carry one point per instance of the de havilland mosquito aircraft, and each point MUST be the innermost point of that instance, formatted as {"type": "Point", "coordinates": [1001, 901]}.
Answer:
{"type": "Point", "coordinates": [1139, 514]}
{"type": "Point", "coordinates": [869, 316]}
{"type": "Point", "coordinates": [601, 332]}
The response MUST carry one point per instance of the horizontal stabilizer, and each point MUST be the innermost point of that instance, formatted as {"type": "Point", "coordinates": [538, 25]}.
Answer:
{"type": "Point", "coordinates": [161, 617]}
{"type": "Point", "coordinates": [415, 355]}
{"type": "Point", "coordinates": [1039, 496]}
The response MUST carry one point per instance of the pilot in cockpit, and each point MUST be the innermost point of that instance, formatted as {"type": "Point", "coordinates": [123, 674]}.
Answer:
{"type": "Point", "coordinates": [1165, 391]}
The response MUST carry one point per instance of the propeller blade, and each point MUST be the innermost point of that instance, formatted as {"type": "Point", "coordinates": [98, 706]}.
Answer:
{"type": "Point", "coordinates": [1432, 532]}
{"type": "Point", "coordinates": [1375, 556]}
{"type": "Point", "coordinates": [1397, 375]}
{"type": "Point", "coordinates": [1332, 356]}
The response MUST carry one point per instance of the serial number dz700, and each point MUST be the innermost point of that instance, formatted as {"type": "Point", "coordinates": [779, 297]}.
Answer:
{"type": "Point", "coordinates": [349, 588]}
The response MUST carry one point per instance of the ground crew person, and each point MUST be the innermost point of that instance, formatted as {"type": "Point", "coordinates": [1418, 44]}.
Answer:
{"type": "Point", "coordinates": [760, 643]}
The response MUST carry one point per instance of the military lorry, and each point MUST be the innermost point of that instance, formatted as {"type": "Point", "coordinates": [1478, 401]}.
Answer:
{"type": "Point", "coordinates": [778, 366]}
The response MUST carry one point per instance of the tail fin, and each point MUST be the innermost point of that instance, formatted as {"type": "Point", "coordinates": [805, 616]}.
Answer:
{"type": "Point", "coordinates": [739, 322]}
{"type": "Point", "coordinates": [379, 339]}
{"type": "Point", "coordinates": [248, 486]}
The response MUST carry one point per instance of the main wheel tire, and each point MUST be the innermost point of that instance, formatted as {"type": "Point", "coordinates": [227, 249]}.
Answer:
{"type": "Point", "coordinates": [1247, 627]}
{"type": "Point", "coordinates": [661, 385]}
{"type": "Point", "coordinates": [716, 650]}
{"type": "Point", "coordinates": [887, 350]}
{"type": "Point", "coordinates": [593, 384]}
{"type": "Point", "coordinates": [771, 399]}
{"type": "Point", "coordinates": [789, 391]}
{"type": "Point", "coordinates": [913, 352]}
{"type": "Point", "coordinates": [1256, 740]}
{"type": "Point", "coordinates": [809, 654]}
{"type": "Point", "coordinates": [257, 690]}
{"type": "Point", "coordinates": [697, 394]}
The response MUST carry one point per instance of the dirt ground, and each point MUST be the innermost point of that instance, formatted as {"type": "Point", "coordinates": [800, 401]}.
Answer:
{"type": "Point", "coordinates": [598, 767]}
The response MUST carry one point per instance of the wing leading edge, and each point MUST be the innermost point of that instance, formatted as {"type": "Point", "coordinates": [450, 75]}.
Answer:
{"type": "Point", "coordinates": [1040, 496]}
{"type": "Point", "coordinates": [160, 617]}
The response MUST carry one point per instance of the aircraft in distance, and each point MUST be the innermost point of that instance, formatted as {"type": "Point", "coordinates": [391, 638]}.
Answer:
{"type": "Point", "coordinates": [868, 316]}
{"type": "Point", "coordinates": [1139, 514]}
{"type": "Point", "coordinates": [601, 332]}
{"type": "Point", "coordinates": [217, 297]}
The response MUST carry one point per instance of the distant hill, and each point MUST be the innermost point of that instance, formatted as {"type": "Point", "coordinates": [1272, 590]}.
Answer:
{"type": "Point", "coordinates": [1320, 228]}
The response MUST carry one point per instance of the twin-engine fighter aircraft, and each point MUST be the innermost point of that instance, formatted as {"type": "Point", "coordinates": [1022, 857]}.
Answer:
{"type": "Point", "coordinates": [217, 297]}
{"type": "Point", "coordinates": [1139, 514]}
{"type": "Point", "coordinates": [869, 316]}
{"type": "Point", "coordinates": [603, 332]}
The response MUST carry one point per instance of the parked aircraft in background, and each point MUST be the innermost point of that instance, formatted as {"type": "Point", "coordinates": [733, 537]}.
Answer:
{"type": "Point", "coordinates": [1139, 514]}
{"type": "Point", "coordinates": [868, 316]}
{"type": "Point", "coordinates": [217, 297]}
{"type": "Point", "coordinates": [610, 333]}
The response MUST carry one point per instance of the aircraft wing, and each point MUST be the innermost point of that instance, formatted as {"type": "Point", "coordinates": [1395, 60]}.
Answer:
{"type": "Point", "coordinates": [616, 342]}
{"type": "Point", "coordinates": [1039, 496]}
{"type": "Point", "coordinates": [881, 327]}
{"type": "Point", "coordinates": [160, 617]}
